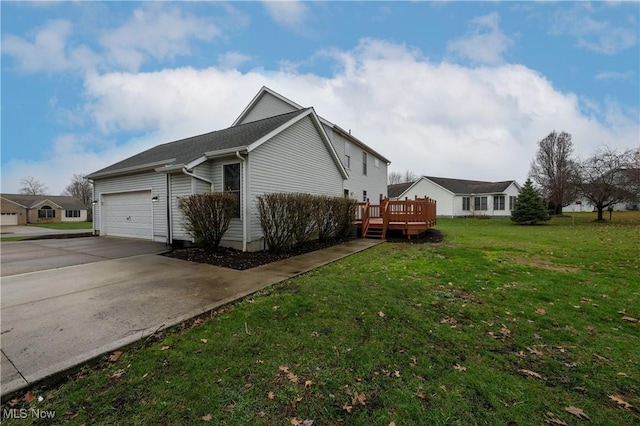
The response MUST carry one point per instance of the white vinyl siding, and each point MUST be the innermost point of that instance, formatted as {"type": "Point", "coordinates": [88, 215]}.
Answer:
{"type": "Point", "coordinates": [234, 233]}
{"type": "Point", "coordinates": [150, 181]}
{"type": "Point", "coordinates": [295, 160]}
{"type": "Point", "coordinates": [267, 106]}
{"type": "Point", "coordinates": [181, 186]}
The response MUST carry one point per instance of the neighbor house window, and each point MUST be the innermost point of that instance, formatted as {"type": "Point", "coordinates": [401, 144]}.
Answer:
{"type": "Point", "coordinates": [512, 202]}
{"type": "Point", "coordinates": [498, 202]}
{"type": "Point", "coordinates": [347, 155]}
{"type": "Point", "coordinates": [480, 203]}
{"type": "Point", "coordinates": [364, 196]}
{"type": "Point", "coordinates": [346, 193]}
{"type": "Point", "coordinates": [231, 184]}
{"type": "Point", "coordinates": [466, 203]}
{"type": "Point", "coordinates": [364, 163]}
{"type": "Point", "coordinates": [376, 162]}
{"type": "Point", "coordinates": [46, 212]}
{"type": "Point", "coordinates": [72, 213]}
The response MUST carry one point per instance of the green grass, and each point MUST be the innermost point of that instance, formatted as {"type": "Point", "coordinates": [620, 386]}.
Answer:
{"type": "Point", "coordinates": [500, 324]}
{"type": "Point", "coordinates": [64, 225]}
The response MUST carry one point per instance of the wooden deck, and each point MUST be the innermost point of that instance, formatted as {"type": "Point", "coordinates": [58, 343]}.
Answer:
{"type": "Point", "coordinates": [412, 217]}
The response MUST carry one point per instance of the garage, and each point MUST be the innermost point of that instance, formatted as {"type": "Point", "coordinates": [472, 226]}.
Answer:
{"type": "Point", "coordinates": [8, 219]}
{"type": "Point", "coordinates": [128, 214]}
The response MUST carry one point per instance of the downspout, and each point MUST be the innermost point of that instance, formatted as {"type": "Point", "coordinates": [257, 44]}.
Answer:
{"type": "Point", "coordinates": [188, 173]}
{"type": "Point", "coordinates": [244, 195]}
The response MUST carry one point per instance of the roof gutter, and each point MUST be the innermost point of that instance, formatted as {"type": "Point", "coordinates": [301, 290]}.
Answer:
{"type": "Point", "coordinates": [244, 196]}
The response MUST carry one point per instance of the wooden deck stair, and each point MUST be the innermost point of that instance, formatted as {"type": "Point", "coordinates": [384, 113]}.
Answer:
{"type": "Point", "coordinates": [412, 217]}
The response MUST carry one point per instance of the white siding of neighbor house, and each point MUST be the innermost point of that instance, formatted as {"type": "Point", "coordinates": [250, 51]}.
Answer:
{"type": "Point", "coordinates": [450, 205]}
{"type": "Point", "coordinates": [267, 106]}
{"type": "Point", "coordinates": [295, 160]}
{"type": "Point", "coordinates": [375, 182]}
{"type": "Point", "coordinates": [156, 182]}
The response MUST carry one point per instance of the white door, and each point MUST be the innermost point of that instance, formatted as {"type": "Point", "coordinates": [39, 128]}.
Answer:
{"type": "Point", "coordinates": [8, 219]}
{"type": "Point", "coordinates": [128, 214]}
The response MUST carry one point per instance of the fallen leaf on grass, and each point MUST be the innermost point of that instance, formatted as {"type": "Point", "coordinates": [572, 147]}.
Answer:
{"type": "Point", "coordinates": [284, 368]}
{"type": "Point", "coordinates": [308, 383]}
{"type": "Point", "coordinates": [540, 311]}
{"type": "Point", "coordinates": [552, 419]}
{"type": "Point", "coordinates": [531, 373]}
{"type": "Point", "coordinates": [381, 314]}
{"type": "Point", "coordinates": [204, 340]}
{"type": "Point", "coordinates": [460, 367]}
{"type": "Point", "coordinates": [535, 351]}
{"type": "Point", "coordinates": [620, 401]}
{"type": "Point", "coordinates": [359, 398]}
{"type": "Point", "coordinates": [207, 418]}
{"type": "Point", "coordinates": [347, 407]}
{"type": "Point", "coordinates": [629, 319]}
{"type": "Point", "coordinates": [115, 356]}
{"type": "Point", "coordinates": [197, 322]}
{"type": "Point", "coordinates": [292, 377]}
{"type": "Point", "coordinates": [164, 348]}
{"type": "Point", "coordinates": [29, 396]}
{"type": "Point", "coordinates": [505, 331]}
{"type": "Point", "coordinates": [421, 395]}
{"type": "Point", "coordinates": [118, 374]}
{"type": "Point", "coordinates": [271, 395]}
{"type": "Point", "coordinates": [577, 412]}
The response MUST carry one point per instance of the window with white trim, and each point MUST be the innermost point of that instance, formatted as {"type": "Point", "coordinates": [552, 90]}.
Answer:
{"type": "Point", "coordinates": [72, 213]}
{"type": "Point", "coordinates": [347, 155]}
{"type": "Point", "coordinates": [376, 162]}
{"type": "Point", "coordinates": [479, 203]}
{"type": "Point", "coordinates": [512, 202]}
{"type": "Point", "coordinates": [231, 184]}
{"type": "Point", "coordinates": [498, 202]}
{"type": "Point", "coordinates": [364, 163]}
{"type": "Point", "coordinates": [466, 203]}
{"type": "Point", "coordinates": [46, 212]}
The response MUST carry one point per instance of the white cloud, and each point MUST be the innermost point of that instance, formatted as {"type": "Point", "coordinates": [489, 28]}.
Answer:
{"type": "Point", "coordinates": [47, 50]}
{"type": "Point", "coordinates": [291, 14]}
{"type": "Point", "coordinates": [157, 33]}
{"type": "Point", "coordinates": [600, 36]}
{"type": "Point", "coordinates": [435, 118]}
{"type": "Point", "coordinates": [232, 59]}
{"type": "Point", "coordinates": [614, 75]}
{"type": "Point", "coordinates": [485, 43]}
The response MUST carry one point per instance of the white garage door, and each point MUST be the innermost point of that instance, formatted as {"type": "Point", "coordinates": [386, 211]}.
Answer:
{"type": "Point", "coordinates": [7, 219]}
{"type": "Point", "coordinates": [128, 214]}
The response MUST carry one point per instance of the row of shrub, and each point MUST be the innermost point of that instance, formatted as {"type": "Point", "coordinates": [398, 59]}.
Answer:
{"type": "Point", "coordinates": [293, 218]}
{"type": "Point", "coordinates": [286, 219]}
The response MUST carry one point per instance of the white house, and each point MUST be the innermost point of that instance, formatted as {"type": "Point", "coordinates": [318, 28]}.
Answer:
{"type": "Point", "coordinates": [459, 198]}
{"type": "Point", "coordinates": [274, 146]}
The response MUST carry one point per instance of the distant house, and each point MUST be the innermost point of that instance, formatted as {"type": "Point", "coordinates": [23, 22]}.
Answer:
{"type": "Point", "coordinates": [21, 209]}
{"type": "Point", "coordinates": [274, 146]}
{"type": "Point", "coordinates": [459, 197]}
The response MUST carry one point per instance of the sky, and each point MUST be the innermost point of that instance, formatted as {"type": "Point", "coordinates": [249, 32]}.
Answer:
{"type": "Point", "coordinates": [450, 89]}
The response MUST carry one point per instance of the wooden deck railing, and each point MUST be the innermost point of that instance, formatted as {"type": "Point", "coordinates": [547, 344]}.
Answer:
{"type": "Point", "coordinates": [410, 216]}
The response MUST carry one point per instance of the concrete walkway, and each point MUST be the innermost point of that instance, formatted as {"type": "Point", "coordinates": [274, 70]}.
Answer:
{"type": "Point", "coordinates": [73, 314]}
{"type": "Point", "coordinates": [34, 231]}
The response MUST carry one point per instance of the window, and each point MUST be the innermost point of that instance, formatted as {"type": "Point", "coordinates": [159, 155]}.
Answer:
{"type": "Point", "coordinates": [346, 193]}
{"type": "Point", "coordinates": [466, 203]}
{"type": "Point", "coordinates": [72, 213]}
{"type": "Point", "coordinates": [376, 162]}
{"type": "Point", "coordinates": [512, 202]}
{"type": "Point", "coordinates": [347, 155]}
{"type": "Point", "coordinates": [231, 184]}
{"type": "Point", "coordinates": [364, 163]}
{"type": "Point", "coordinates": [46, 212]}
{"type": "Point", "coordinates": [479, 203]}
{"type": "Point", "coordinates": [498, 202]}
{"type": "Point", "coordinates": [364, 196]}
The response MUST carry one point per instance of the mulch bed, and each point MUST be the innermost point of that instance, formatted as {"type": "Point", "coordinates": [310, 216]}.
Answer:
{"type": "Point", "coordinates": [235, 259]}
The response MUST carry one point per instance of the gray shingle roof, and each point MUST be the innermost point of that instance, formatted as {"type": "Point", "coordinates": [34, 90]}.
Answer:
{"type": "Point", "coordinates": [185, 150]}
{"type": "Point", "coordinates": [461, 186]}
{"type": "Point", "coordinates": [28, 201]}
{"type": "Point", "coordinates": [397, 189]}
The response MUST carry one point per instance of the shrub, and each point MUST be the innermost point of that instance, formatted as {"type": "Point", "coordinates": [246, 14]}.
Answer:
{"type": "Point", "coordinates": [302, 217]}
{"type": "Point", "coordinates": [207, 216]}
{"type": "Point", "coordinates": [276, 220]}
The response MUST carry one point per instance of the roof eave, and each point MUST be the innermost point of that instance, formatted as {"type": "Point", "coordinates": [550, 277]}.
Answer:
{"type": "Point", "coordinates": [130, 170]}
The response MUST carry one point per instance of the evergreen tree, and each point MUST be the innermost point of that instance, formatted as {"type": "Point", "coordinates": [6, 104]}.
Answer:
{"type": "Point", "coordinates": [529, 208]}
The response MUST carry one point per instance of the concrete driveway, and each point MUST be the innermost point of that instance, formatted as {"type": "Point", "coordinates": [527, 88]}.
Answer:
{"type": "Point", "coordinates": [57, 319]}
{"type": "Point", "coordinates": [19, 257]}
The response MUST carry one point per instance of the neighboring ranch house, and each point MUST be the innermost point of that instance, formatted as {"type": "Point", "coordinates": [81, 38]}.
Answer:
{"type": "Point", "coordinates": [284, 151]}
{"type": "Point", "coordinates": [460, 198]}
{"type": "Point", "coordinates": [22, 209]}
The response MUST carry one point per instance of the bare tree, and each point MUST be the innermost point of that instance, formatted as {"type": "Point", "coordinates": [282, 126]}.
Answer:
{"type": "Point", "coordinates": [31, 186]}
{"type": "Point", "coordinates": [553, 170]}
{"type": "Point", "coordinates": [396, 177]}
{"type": "Point", "coordinates": [609, 177]}
{"type": "Point", "coordinates": [81, 188]}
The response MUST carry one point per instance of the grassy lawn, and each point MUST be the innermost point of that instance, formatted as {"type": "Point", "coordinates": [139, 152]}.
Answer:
{"type": "Point", "coordinates": [498, 325]}
{"type": "Point", "coordinates": [65, 225]}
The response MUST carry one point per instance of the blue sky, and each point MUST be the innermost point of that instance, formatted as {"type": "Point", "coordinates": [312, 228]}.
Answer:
{"type": "Point", "coordinates": [451, 89]}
